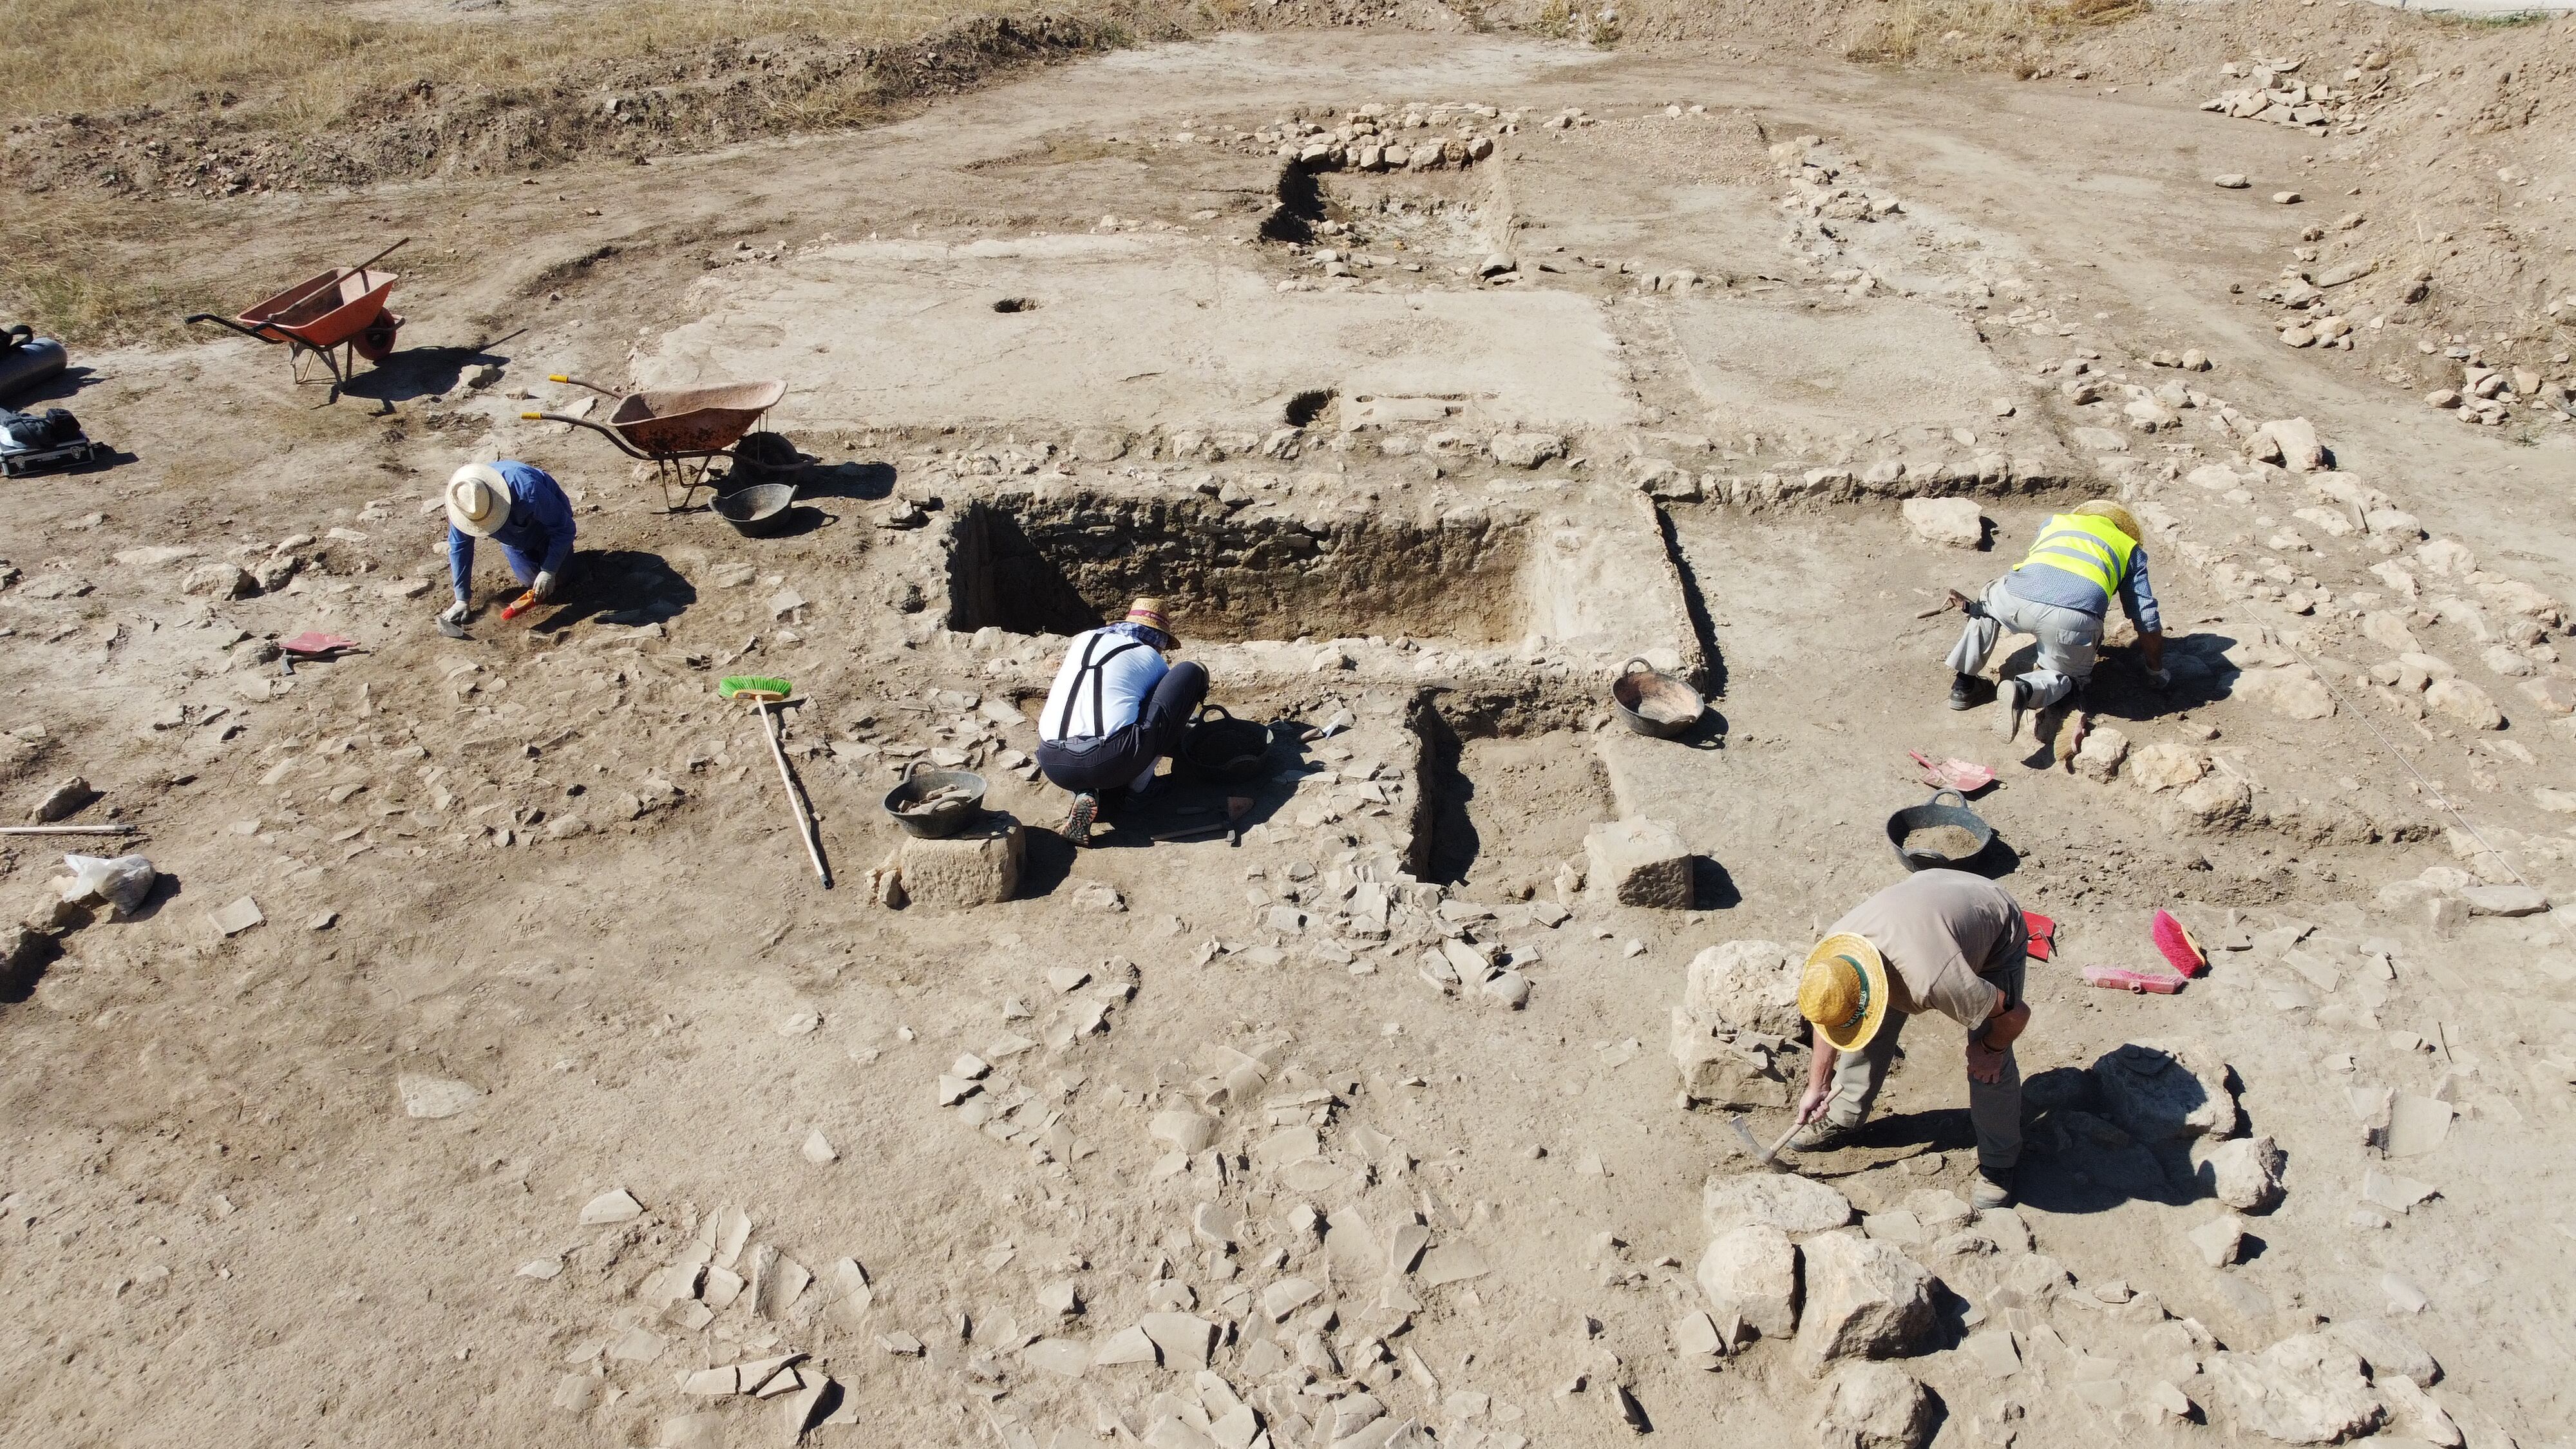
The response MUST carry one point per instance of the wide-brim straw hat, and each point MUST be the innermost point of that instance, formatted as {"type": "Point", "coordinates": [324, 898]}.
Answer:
{"type": "Point", "coordinates": [478, 499]}
{"type": "Point", "coordinates": [2119, 517]}
{"type": "Point", "coordinates": [1149, 612]}
{"type": "Point", "coordinates": [1843, 990]}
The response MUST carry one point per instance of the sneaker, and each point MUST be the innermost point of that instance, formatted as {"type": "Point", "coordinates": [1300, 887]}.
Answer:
{"type": "Point", "coordinates": [2008, 706]}
{"type": "Point", "coordinates": [1077, 823]}
{"type": "Point", "coordinates": [1990, 1190]}
{"type": "Point", "coordinates": [1826, 1135]}
{"type": "Point", "coordinates": [1963, 692]}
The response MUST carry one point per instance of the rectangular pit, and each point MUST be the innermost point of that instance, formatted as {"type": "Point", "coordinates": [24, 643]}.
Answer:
{"type": "Point", "coordinates": [1060, 563]}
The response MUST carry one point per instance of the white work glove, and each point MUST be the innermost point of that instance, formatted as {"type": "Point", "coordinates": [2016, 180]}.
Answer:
{"type": "Point", "coordinates": [453, 614]}
{"type": "Point", "coordinates": [2160, 678]}
{"type": "Point", "coordinates": [544, 587]}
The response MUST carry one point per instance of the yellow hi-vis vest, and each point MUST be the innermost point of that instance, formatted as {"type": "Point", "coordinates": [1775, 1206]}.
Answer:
{"type": "Point", "coordinates": [2093, 549]}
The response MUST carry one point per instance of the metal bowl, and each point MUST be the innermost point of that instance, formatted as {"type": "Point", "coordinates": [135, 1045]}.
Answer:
{"type": "Point", "coordinates": [1930, 814]}
{"type": "Point", "coordinates": [1222, 749]}
{"type": "Point", "coordinates": [757, 511]}
{"type": "Point", "coordinates": [944, 819]}
{"type": "Point", "coordinates": [1654, 703]}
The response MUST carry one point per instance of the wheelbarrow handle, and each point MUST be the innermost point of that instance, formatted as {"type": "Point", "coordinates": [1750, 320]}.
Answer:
{"type": "Point", "coordinates": [611, 434]}
{"type": "Point", "coordinates": [361, 267]}
{"type": "Point", "coordinates": [264, 332]}
{"type": "Point", "coordinates": [577, 382]}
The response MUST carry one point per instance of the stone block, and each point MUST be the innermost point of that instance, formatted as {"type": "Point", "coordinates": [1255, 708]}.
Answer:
{"type": "Point", "coordinates": [2218, 802]}
{"type": "Point", "coordinates": [1746, 986]}
{"type": "Point", "coordinates": [1639, 862]}
{"type": "Point", "coordinates": [2296, 441]}
{"type": "Point", "coordinates": [978, 866]}
{"type": "Point", "coordinates": [1750, 1275]}
{"type": "Point", "coordinates": [2306, 1389]}
{"type": "Point", "coordinates": [2219, 1240]}
{"type": "Point", "coordinates": [1526, 450]}
{"type": "Point", "coordinates": [2244, 1173]}
{"type": "Point", "coordinates": [2165, 765]}
{"type": "Point", "coordinates": [2554, 694]}
{"type": "Point", "coordinates": [2166, 1091]}
{"type": "Point", "coordinates": [1786, 1201]}
{"type": "Point", "coordinates": [1864, 1299]}
{"type": "Point", "coordinates": [1731, 1069]}
{"type": "Point", "coordinates": [1874, 1406]}
{"type": "Point", "coordinates": [2101, 755]}
{"type": "Point", "coordinates": [1950, 522]}
{"type": "Point", "coordinates": [2464, 702]}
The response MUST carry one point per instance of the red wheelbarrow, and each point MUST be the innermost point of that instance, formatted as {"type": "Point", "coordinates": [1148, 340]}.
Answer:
{"type": "Point", "coordinates": [338, 316]}
{"type": "Point", "coordinates": [675, 428]}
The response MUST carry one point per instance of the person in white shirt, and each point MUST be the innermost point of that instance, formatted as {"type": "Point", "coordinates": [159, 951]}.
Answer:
{"type": "Point", "coordinates": [1115, 710]}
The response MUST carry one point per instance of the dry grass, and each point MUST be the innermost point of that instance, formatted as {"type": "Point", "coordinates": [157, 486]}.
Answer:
{"type": "Point", "coordinates": [72, 276]}
{"type": "Point", "coordinates": [1969, 30]}
{"type": "Point", "coordinates": [297, 65]}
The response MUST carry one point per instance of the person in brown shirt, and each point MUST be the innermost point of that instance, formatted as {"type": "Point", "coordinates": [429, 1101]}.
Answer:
{"type": "Point", "coordinates": [1939, 940]}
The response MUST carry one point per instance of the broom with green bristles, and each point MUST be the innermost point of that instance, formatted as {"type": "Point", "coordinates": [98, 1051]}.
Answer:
{"type": "Point", "coordinates": [765, 692]}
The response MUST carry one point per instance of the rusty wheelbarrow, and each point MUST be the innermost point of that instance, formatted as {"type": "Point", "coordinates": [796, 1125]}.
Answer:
{"type": "Point", "coordinates": [681, 431]}
{"type": "Point", "coordinates": [338, 316]}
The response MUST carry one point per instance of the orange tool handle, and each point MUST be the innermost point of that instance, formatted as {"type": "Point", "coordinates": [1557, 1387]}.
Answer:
{"type": "Point", "coordinates": [520, 605]}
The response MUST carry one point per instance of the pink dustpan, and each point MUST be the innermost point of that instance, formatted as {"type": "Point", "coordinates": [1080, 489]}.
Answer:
{"type": "Point", "coordinates": [1960, 775]}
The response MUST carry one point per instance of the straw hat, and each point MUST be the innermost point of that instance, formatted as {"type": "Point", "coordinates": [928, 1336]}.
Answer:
{"type": "Point", "coordinates": [1843, 990]}
{"type": "Point", "coordinates": [2118, 517]}
{"type": "Point", "coordinates": [478, 500]}
{"type": "Point", "coordinates": [1149, 612]}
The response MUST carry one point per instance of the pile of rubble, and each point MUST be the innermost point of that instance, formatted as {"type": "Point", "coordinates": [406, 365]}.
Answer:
{"type": "Point", "coordinates": [1379, 137]}
{"type": "Point", "coordinates": [2486, 395]}
{"type": "Point", "coordinates": [2275, 92]}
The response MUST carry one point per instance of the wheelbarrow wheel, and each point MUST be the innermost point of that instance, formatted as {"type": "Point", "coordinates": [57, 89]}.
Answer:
{"type": "Point", "coordinates": [764, 457]}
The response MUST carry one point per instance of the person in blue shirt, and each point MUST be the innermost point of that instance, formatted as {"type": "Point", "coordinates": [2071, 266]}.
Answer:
{"type": "Point", "coordinates": [517, 507]}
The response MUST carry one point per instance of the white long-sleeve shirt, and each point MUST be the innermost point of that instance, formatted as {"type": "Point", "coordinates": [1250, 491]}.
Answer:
{"type": "Point", "coordinates": [1107, 676]}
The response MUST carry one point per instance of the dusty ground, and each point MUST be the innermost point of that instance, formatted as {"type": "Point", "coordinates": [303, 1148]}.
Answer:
{"type": "Point", "coordinates": [550, 865]}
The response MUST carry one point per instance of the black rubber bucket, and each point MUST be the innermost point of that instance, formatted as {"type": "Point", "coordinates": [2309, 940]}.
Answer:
{"type": "Point", "coordinates": [1223, 750]}
{"type": "Point", "coordinates": [1932, 815]}
{"type": "Point", "coordinates": [757, 511]}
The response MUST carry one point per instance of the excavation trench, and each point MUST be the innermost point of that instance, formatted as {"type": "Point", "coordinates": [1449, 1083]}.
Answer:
{"type": "Point", "coordinates": [1062, 564]}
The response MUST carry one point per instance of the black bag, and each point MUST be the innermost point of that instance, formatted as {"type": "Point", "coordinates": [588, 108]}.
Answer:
{"type": "Point", "coordinates": [35, 432]}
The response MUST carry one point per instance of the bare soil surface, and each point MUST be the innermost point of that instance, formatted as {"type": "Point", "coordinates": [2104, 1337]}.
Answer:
{"type": "Point", "coordinates": [489, 1065]}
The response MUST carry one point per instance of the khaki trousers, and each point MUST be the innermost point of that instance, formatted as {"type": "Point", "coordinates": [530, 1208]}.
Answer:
{"type": "Point", "coordinates": [1995, 1107]}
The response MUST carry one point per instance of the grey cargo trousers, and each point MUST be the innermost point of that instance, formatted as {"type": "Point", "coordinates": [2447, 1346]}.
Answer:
{"type": "Point", "coordinates": [2068, 639]}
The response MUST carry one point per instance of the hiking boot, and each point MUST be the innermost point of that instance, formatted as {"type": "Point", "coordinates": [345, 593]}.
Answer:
{"type": "Point", "coordinates": [1824, 1135]}
{"type": "Point", "coordinates": [1077, 822]}
{"type": "Point", "coordinates": [1963, 692]}
{"type": "Point", "coordinates": [1991, 1190]}
{"type": "Point", "coordinates": [2008, 706]}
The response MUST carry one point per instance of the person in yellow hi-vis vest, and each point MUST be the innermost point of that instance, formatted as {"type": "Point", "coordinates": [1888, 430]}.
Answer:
{"type": "Point", "coordinates": [2060, 595]}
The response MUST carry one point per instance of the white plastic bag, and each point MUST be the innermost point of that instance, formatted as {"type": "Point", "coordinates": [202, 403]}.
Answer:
{"type": "Point", "coordinates": [122, 882]}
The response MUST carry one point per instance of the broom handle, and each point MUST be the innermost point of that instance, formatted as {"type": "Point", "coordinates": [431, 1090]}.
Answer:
{"type": "Point", "coordinates": [804, 829]}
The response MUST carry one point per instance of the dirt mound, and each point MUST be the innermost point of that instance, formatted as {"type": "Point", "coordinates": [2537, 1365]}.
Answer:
{"type": "Point", "coordinates": [728, 91]}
